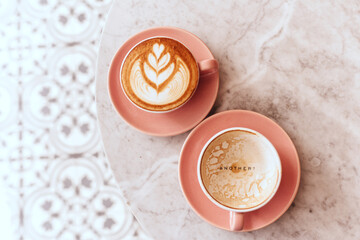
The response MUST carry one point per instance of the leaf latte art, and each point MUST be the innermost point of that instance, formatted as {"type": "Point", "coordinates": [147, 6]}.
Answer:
{"type": "Point", "coordinates": [159, 74]}
{"type": "Point", "coordinates": [161, 78]}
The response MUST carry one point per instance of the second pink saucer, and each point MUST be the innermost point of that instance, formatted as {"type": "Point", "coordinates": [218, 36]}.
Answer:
{"type": "Point", "coordinates": [177, 121]}
{"type": "Point", "coordinates": [274, 133]}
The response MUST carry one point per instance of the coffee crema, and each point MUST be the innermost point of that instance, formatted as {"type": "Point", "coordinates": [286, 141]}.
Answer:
{"type": "Point", "coordinates": [238, 169]}
{"type": "Point", "coordinates": [159, 74]}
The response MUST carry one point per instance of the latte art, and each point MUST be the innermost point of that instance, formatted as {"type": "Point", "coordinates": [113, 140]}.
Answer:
{"type": "Point", "coordinates": [159, 74]}
{"type": "Point", "coordinates": [238, 171]}
{"type": "Point", "coordinates": [159, 80]}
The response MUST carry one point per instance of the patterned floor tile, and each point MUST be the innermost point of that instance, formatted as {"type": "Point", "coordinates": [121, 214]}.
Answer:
{"type": "Point", "coordinates": [57, 181]}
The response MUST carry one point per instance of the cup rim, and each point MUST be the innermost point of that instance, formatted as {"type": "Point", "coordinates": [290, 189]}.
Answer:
{"type": "Point", "coordinates": [229, 208]}
{"type": "Point", "coordinates": [155, 111]}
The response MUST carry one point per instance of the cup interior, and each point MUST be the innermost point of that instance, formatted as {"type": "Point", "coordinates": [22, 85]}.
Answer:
{"type": "Point", "coordinates": [275, 159]}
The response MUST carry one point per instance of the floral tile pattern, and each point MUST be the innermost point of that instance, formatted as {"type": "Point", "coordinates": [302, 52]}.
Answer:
{"type": "Point", "coordinates": [57, 180]}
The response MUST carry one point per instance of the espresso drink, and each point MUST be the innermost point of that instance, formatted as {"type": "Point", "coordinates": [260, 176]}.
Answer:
{"type": "Point", "coordinates": [159, 74]}
{"type": "Point", "coordinates": [239, 169]}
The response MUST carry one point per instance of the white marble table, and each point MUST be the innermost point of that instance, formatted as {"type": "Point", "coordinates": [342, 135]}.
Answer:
{"type": "Point", "coordinates": [295, 62]}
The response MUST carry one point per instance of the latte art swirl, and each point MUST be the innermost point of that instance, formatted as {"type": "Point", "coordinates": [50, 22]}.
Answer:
{"type": "Point", "coordinates": [159, 74]}
{"type": "Point", "coordinates": [157, 80]}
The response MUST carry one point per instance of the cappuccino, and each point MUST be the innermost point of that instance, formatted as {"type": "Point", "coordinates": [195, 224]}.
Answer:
{"type": "Point", "coordinates": [240, 169]}
{"type": "Point", "coordinates": [159, 74]}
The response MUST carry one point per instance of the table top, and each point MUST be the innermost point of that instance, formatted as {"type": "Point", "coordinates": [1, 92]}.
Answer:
{"type": "Point", "coordinates": [297, 62]}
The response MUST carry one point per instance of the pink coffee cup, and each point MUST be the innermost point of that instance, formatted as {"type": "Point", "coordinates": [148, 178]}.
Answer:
{"type": "Point", "coordinates": [236, 216]}
{"type": "Point", "coordinates": [206, 67]}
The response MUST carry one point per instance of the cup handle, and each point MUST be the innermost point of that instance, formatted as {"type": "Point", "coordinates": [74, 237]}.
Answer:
{"type": "Point", "coordinates": [208, 66]}
{"type": "Point", "coordinates": [236, 221]}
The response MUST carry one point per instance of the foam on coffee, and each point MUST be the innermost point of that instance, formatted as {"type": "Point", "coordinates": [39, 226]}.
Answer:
{"type": "Point", "coordinates": [159, 74]}
{"type": "Point", "coordinates": [238, 169]}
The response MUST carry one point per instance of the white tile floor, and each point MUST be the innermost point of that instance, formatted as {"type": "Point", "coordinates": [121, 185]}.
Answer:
{"type": "Point", "coordinates": [55, 181]}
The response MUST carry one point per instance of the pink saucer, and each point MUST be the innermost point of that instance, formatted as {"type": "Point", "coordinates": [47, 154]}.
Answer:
{"type": "Point", "coordinates": [276, 135]}
{"type": "Point", "coordinates": [177, 121]}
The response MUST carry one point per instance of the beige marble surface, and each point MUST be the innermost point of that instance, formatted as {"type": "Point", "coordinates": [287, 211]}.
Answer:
{"type": "Point", "coordinates": [297, 62]}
